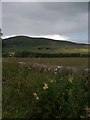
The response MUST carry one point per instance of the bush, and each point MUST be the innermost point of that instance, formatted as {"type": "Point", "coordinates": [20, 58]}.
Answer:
{"type": "Point", "coordinates": [24, 54]}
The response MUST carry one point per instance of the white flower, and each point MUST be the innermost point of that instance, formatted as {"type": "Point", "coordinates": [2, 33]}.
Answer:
{"type": "Point", "coordinates": [29, 68]}
{"type": "Point", "coordinates": [49, 69]}
{"type": "Point", "coordinates": [21, 63]}
{"type": "Point", "coordinates": [59, 66]}
{"type": "Point", "coordinates": [51, 81]}
{"type": "Point", "coordinates": [45, 86]}
{"type": "Point", "coordinates": [55, 73]}
{"type": "Point", "coordinates": [35, 95]}
{"type": "Point", "coordinates": [82, 116]}
{"type": "Point", "coordinates": [37, 98]}
{"type": "Point", "coordinates": [56, 69]}
{"type": "Point", "coordinates": [87, 72]}
{"type": "Point", "coordinates": [88, 111]}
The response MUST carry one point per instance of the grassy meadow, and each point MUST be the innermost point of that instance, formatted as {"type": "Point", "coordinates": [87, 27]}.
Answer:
{"type": "Point", "coordinates": [39, 88]}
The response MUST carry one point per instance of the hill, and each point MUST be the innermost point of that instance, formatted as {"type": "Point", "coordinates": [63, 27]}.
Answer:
{"type": "Point", "coordinates": [42, 45]}
{"type": "Point", "coordinates": [31, 41]}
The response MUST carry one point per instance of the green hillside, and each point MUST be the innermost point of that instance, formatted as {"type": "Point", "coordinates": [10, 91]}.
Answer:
{"type": "Point", "coordinates": [26, 41]}
{"type": "Point", "coordinates": [41, 45]}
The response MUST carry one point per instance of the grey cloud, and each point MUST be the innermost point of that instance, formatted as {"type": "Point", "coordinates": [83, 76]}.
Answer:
{"type": "Point", "coordinates": [45, 0]}
{"type": "Point", "coordinates": [44, 18]}
{"type": "Point", "coordinates": [0, 15]}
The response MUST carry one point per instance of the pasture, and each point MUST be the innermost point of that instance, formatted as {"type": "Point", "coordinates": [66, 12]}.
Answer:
{"type": "Point", "coordinates": [45, 88]}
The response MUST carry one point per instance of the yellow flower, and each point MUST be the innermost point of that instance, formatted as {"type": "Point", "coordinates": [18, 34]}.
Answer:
{"type": "Point", "coordinates": [70, 79]}
{"type": "Point", "coordinates": [45, 86]}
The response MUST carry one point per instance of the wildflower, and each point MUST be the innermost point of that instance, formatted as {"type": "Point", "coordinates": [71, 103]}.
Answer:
{"type": "Point", "coordinates": [55, 72]}
{"type": "Point", "coordinates": [88, 111]}
{"type": "Point", "coordinates": [21, 63]}
{"type": "Point", "coordinates": [37, 98]}
{"type": "Point", "coordinates": [87, 72]}
{"type": "Point", "coordinates": [70, 79]}
{"type": "Point", "coordinates": [49, 69]}
{"type": "Point", "coordinates": [45, 86]}
{"type": "Point", "coordinates": [82, 116]}
{"type": "Point", "coordinates": [35, 95]}
{"type": "Point", "coordinates": [70, 70]}
{"type": "Point", "coordinates": [51, 81]}
{"type": "Point", "coordinates": [56, 69]}
{"type": "Point", "coordinates": [29, 68]}
{"type": "Point", "coordinates": [70, 92]}
{"type": "Point", "coordinates": [59, 66]}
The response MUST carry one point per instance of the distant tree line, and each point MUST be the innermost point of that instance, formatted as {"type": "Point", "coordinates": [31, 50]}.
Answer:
{"type": "Point", "coordinates": [27, 54]}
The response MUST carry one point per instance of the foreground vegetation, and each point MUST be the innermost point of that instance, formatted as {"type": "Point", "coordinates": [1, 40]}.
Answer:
{"type": "Point", "coordinates": [46, 88]}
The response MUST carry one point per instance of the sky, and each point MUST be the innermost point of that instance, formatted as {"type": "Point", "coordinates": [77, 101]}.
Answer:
{"type": "Point", "coordinates": [45, 0]}
{"type": "Point", "coordinates": [56, 20]}
{"type": "Point", "coordinates": [0, 15]}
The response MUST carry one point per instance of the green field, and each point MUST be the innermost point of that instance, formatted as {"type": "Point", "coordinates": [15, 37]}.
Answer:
{"type": "Point", "coordinates": [79, 63]}
{"type": "Point", "coordinates": [32, 90]}
{"type": "Point", "coordinates": [53, 49]}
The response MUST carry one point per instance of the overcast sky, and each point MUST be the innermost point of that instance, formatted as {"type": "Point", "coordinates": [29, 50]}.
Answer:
{"type": "Point", "coordinates": [58, 20]}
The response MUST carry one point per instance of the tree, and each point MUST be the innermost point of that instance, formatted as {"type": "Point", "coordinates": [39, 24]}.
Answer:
{"type": "Point", "coordinates": [0, 33]}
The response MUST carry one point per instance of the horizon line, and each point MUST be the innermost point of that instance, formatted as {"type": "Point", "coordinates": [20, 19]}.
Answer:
{"type": "Point", "coordinates": [47, 37]}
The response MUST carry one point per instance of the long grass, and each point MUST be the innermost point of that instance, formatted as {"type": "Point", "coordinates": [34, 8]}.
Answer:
{"type": "Point", "coordinates": [30, 93]}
